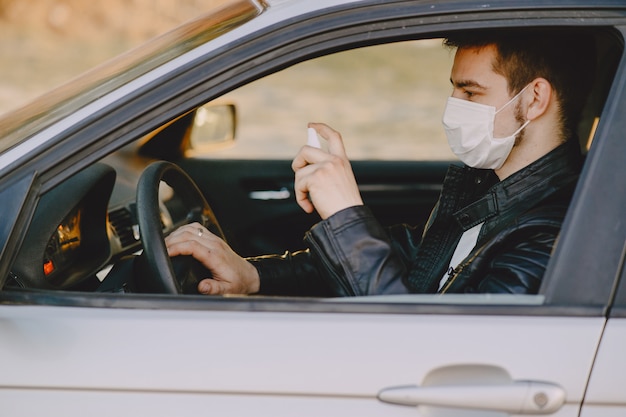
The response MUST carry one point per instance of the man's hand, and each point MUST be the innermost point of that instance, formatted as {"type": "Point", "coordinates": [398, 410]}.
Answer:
{"type": "Point", "coordinates": [324, 181]}
{"type": "Point", "coordinates": [231, 273]}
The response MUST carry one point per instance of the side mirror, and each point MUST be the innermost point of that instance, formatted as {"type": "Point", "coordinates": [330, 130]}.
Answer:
{"type": "Point", "coordinates": [213, 127]}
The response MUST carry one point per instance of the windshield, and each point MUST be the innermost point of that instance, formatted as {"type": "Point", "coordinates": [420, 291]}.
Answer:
{"type": "Point", "coordinates": [65, 100]}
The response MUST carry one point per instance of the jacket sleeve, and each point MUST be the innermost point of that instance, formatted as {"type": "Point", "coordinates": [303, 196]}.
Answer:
{"type": "Point", "coordinates": [290, 274]}
{"type": "Point", "coordinates": [350, 253]}
{"type": "Point", "coordinates": [361, 257]}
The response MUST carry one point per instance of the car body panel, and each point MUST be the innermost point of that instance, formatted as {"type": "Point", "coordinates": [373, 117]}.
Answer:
{"type": "Point", "coordinates": [607, 368]}
{"type": "Point", "coordinates": [63, 403]}
{"type": "Point", "coordinates": [217, 352]}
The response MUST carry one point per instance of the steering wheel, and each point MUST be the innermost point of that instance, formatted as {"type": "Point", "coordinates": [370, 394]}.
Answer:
{"type": "Point", "coordinates": [155, 271]}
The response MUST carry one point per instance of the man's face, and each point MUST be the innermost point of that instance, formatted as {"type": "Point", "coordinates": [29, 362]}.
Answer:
{"type": "Point", "coordinates": [473, 79]}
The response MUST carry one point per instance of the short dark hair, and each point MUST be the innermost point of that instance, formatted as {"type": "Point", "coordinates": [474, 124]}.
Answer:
{"type": "Point", "coordinates": [564, 57]}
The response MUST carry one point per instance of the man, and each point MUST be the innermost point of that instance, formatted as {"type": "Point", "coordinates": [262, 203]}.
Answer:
{"type": "Point", "coordinates": [512, 118]}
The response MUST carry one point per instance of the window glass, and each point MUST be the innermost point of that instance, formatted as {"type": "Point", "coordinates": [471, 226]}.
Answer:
{"type": "Point", "coordinates": [386, 100]}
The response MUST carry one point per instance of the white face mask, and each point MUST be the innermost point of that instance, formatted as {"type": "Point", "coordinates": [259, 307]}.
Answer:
{"type": "Point", "coordinates": [469, 129]}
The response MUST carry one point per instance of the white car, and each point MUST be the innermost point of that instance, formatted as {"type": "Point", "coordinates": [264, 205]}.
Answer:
{"type": "Point", "coordinates": [76, 342]}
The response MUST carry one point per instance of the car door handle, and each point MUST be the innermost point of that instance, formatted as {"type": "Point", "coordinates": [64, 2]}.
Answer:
{"type": "Point", "coordinates": [518, 397]}
{"type": "Point", "coordinates": [282, 194]}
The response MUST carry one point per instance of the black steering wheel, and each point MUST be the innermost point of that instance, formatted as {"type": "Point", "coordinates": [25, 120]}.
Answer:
{"type": "Point", "coordinates": [155, 271]}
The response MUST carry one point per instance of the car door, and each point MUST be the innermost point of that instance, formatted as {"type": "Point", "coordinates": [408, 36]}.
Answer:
{"type": "Point", "coordinates": [604, 396]}
{"type": "Point", "coordinates": [71, 354]}
{"type": "Point", "coordinates": [284, 358]}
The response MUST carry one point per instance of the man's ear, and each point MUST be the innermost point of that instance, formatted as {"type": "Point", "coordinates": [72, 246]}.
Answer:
{"type": "Point", "coordinates": [541, 98]}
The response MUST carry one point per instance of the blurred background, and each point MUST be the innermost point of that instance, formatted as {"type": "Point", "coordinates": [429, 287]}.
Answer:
{"type": "Point", "coordinates": [44, 43]}
{"type": "Point", "coordinates": [371, 95]}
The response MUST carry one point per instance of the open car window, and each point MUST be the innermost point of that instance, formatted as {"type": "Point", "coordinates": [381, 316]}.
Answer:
{"type": "Point", "coordinates": [386, 100]}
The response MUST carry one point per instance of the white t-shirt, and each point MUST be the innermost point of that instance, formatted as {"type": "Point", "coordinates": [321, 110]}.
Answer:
{"type": "Point", "coordinates": [464, 247]}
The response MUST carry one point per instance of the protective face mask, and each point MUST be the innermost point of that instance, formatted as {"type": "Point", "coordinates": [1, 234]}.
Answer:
{"type": "Point", "coordinates": [469, 129]}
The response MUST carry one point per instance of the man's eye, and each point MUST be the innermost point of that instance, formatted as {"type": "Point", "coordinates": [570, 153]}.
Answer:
{"type": "Point", "coordinates": [468, 94]}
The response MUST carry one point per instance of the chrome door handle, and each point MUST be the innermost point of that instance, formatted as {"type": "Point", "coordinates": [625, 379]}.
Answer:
{"type": "Point", "coordinates": [282, 194]}
{"type": "Point", "coordinates": [518, 397]}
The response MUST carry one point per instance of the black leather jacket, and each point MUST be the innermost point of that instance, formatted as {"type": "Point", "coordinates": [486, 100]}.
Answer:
{"type": "Point", "coordinates": [350, 253]}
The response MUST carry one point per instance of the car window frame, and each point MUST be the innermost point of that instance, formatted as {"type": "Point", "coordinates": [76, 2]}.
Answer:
{"type": "Point", "coordinates": [594, 208]}
{"type": "Point", "coordinates": [618, 310]}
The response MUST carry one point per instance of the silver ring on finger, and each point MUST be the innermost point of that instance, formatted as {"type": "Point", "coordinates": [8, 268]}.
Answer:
{"type": "Point", "coordinates": [200, 232]}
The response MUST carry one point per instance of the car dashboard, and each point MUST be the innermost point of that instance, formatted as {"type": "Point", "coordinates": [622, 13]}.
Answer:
{"type": "Point", "coordinates": [84, 225]}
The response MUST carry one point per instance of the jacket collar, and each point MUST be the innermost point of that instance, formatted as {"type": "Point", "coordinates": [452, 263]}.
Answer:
{"type": "Point", "coordinates": [521, 190]}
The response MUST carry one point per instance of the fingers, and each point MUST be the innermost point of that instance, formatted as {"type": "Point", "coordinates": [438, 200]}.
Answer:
{"type": "Point", "coordinates": [324, 181]}
{"type": "Point", "coordinates": [211, 287]}
{"type": "Point", "coordinates": [303, 165]}
{"type": "Point", "coordinates": [302, 198]}
{"type": "Point", "coordinates": [335, 142]}
{"type": "Point", "coordinates": [318, 180]}
{"type": "Point", "coordinates": [311, 155]}
{"type": "Point", "coordinates": [231, 274]}
{"type": "Point", "coordinates": [192, 239]}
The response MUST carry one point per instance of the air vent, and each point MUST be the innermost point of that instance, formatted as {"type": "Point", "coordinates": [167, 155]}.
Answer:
{"type": "Point", "coordinates": [122, 223]}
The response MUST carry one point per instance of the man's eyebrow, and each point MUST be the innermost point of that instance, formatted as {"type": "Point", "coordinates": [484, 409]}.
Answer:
{"type": "Point", "coordinates": [466, 83]}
